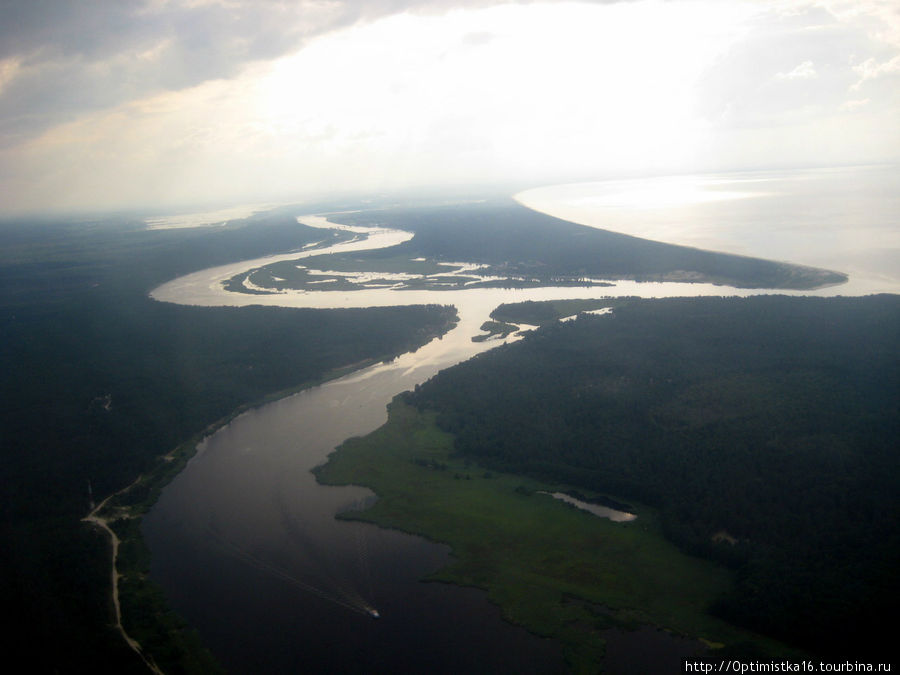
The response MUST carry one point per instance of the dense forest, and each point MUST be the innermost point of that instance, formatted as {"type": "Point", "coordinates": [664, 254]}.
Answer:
{"type": "Point", "coordinates": [98, 380]}
{"type": "Point", "coordinates": [764, 429]}
{"type": "Point", "coordinates": [515, 241]}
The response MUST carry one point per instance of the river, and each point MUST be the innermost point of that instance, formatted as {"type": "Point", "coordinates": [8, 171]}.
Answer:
{"type": "Point", "coordinates": [245, 542]}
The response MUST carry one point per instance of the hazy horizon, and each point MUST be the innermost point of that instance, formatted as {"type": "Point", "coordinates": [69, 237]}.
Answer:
{"type": "Point", "coordinates": [170, 105]}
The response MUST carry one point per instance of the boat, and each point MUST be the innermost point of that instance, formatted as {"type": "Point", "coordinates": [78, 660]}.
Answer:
{"type": "Point", "coordinates": [373, 613]}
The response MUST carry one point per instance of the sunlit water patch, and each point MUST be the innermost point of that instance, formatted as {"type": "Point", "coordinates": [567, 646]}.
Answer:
{"type": "Point", "coordinates": [596, 509]}
{"type": "Point", "coordinates": [206, 218]}
{"type": "Point", "coordinates": [846, 219]}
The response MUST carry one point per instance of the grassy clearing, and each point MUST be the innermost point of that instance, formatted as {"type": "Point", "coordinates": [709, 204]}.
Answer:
{"type": "Point", "coordinates": [556, 570]}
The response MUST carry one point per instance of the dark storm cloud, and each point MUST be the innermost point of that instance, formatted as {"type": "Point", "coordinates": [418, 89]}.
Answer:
{"type": "Point", "coordinates": [60, 58]}
{"type": "Point", "coordinates": [68, 57]}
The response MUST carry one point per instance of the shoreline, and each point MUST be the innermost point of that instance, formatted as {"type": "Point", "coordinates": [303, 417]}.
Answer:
{"type": "Point", "coordinates": [718, 212]}
{"type": "Point", "coordinates": [95, 518]}
{"type": "Point", "coordinates": [169, 465]}
{"type": "Point", "coordinates": [410, 435]}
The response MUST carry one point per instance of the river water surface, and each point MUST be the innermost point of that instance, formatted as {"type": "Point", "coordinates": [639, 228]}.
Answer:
{"type": "Point", "coordinates": [245, 542]}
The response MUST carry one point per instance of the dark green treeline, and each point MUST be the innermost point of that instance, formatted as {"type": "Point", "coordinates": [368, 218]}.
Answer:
{"type": "Point", "coordinates": [765, 429]}
{"type": "Point", "coordinates": [97, 380]}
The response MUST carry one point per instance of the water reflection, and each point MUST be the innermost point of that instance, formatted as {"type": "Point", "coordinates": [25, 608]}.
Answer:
{"type": "Point", "coordinates": [596, 509]}
{"type": "Point", "coordinates": [844, 219]}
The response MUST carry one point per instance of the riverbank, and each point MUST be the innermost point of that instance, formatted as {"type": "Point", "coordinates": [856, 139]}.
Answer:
{"type": "Point", "coordinates": [551, 568]}
{"type": "Point", "coordinates": [103, 522]}
{"type": "Point", "coordinates": [161, 638]}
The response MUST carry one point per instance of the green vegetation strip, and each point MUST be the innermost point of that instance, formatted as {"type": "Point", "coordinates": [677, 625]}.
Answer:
{"type": "Point", "coordinates": [558, 571]}
{"type": "Point", "coordinates": [539, 312]}
{"type": "Point", "coordinates": [495, 328]}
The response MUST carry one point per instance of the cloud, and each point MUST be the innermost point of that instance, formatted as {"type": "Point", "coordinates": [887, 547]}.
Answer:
{"type": "Point", "coordinates": [395, 102]}
{"type": "Point", "coordinates": [804, 71]}
{"type": "Point", "coordinates": [62, 58]}
{"type": "Point", "coordinates": [76, 57]}
{"type": "Point", "coordinates": [798, 59]}
{"type": "Point", "coordinates": [478, 38]}
{"type": "Point", "coordinates": [881, 18]}
{"type": "Point", "coordinates": [856, 104]}
{"type": "Point", "coordinates": [153, 101]}
{"type": "Point", "coordinates": [9, 69]}
{"type": "Point", "coordinates": [872, 69]}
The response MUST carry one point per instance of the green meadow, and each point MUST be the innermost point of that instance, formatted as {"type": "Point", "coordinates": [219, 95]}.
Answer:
{"type": "Point", "coordinates": [556, 570]}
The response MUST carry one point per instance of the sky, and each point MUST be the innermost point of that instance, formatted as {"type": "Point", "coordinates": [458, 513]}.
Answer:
{"type": "Point", "coordinates": [168, 104]}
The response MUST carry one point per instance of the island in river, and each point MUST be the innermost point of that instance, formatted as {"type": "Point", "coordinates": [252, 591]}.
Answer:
{"type": "Point", "coordinates": [508, 246]}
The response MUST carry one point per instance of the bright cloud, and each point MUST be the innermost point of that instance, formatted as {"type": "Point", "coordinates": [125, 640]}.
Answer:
{"type": "Point", "coordinates": [855, 104]}
{"type": "Point", "coordinates": [804, 71]}
{"type": "Point", "coordinates": [871, 69]}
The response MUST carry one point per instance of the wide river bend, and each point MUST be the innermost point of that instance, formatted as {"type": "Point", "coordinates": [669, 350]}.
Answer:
{"type": "Point", "coordinates": [245, 542]}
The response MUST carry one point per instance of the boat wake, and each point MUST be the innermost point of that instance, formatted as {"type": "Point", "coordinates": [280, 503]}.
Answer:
{"type": "Point", "coordinates": [342, 596]}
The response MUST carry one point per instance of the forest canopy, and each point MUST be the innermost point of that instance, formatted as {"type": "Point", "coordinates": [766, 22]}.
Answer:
{"type": "Point", "coordinates": [98, 380]}
{"type": "Point", "coordinates": [764, 429]}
